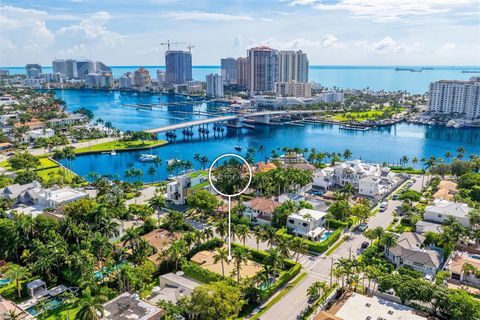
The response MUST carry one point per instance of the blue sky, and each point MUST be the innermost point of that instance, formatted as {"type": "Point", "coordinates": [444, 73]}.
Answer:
{"type": "Point", "coordinates": [335, 32]}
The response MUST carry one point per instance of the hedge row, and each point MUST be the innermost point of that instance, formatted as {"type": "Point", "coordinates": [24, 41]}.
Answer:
{"type": "Point", "coordinates": [196, 272]}
{"type": "Point", "coordinates": [259, 256]}
{"type": "Point", "coordinates": [282, 280]}
{"type": "Point", "coordinates": [208, 245]}
{"type": "Point", "coordinates": [317, 247]}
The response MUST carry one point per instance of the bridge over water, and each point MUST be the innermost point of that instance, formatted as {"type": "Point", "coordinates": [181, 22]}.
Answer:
{"type": "Point", "coordinates": [262, 116]}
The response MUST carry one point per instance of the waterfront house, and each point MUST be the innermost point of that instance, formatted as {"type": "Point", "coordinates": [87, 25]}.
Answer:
{"type": "Point", "coordinates": [21, 193]}
{"type": "Point", "coordinates": [128, 306]}
{"type": "Point", "coordinates": [71, 118]}
{"type": "Point", "coordinates": [410, 252]}
{"type": "Point", "coordinates": [307, 223]}
{"type": "Point", "coordinates": [260, 210]}
{"type": "Point", "coordinates": [446, 190]}
{"type": "Point", "coordinates": [442, 210]}
{"type": "Point", "coordinates": [370, 180]}
{"type": "Point", "coordinates": [40, 133]}
{"type": "Point", "coordinates": [184, 185]}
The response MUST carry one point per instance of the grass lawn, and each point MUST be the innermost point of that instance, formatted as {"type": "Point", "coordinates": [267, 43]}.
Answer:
{"type": "Point", "coordinates": [44, 163]}
{"type": "Point", "coordinates": [45, 173]}
{"type": "Point", "coordinates": [63, 312]}
{"type": "Point", "coordinates": [121, 145]}
{"type": "Point", "coordinates": [363, 115]}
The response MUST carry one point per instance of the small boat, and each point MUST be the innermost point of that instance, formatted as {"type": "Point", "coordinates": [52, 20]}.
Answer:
{"type": "Point", "coordinates": [147, 157]}
{"type": "Point", "coordinates": [113, 153]}
{"type": "Point", "coordinates": [238, 148]}
{"type": "Point", "coordinates": [172, 161]}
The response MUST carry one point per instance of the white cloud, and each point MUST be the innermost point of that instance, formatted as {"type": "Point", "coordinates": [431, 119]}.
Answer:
{"type": "Point", "coordinates": [78, 50]}
{"type": "Point", "coordinates": [302, 2]}
{"type": "Point", "coordinates": [330, 40]}
{"type": "Point", "coordinates": [388, 46]}
{"type": "Point", "coordinates": [389, 10]}
{"type": "Point", "coordinates": [92, 29]}
{"type": "Point", "coordinates": [327, 41]}
{"type": "Point", "coordinates": [205, 16]}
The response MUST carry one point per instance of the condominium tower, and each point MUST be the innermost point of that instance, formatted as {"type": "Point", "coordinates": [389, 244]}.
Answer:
{"type": "Point", "coordinates": [292, 66]}
{"type": "Point", "coordinates": [242, 71]}
{"type": "Point", "coordinates": [214, 85]}
{"type": "Point", "coordinates": [454, 96]}
{"type": "Point", "coordinates": [229, 70]}
{"type": "Point", "coordinates": [262, 70]}
{"type": "Point", "coordinates": [178, 66]}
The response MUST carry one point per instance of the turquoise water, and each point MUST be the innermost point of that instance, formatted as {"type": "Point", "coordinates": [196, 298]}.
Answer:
{"type": "Point", "coordinates": [325, 235]}
{"type": "Point", "coordinates": [52, 303]}
{"type": "Point", "coordinates": [100, 274]}
{"type": "Point", "coordinates": [353, 77]}
{"type": "Point", "coordinates": [387, 144]}
{"type": "Point", "coordinates": [265, 285]}
{"type": "Point", "coordinates": [4, 281]}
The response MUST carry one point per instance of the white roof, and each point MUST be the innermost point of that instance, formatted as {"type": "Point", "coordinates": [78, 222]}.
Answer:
{"type": "Point", "coordinates": [359, 307]}
{"type": "Point", "coordinates": [65, 195]}
{"type": "Point", "coordinates": [455, 209]}
{"type": "Point", "coordinates": [316, 214]}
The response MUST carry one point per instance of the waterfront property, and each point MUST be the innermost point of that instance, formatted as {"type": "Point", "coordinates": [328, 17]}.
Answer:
{"type": "Point", "coordinates": [184, 185]}
{"type": "Point", "coordinates": [441, 210]}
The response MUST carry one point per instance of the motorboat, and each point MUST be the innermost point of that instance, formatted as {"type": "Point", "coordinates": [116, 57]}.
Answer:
{"type": "Point", "coordinates": [147, 157]}
{"type": "Point", "coordinates": [113, 153]}
{"type": "Point", "coordinates": [238, 148]}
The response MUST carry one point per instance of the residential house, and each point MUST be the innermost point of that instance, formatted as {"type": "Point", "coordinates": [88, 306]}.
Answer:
{"type": "Point", "coordinates": [52, 198]}
{"type": "Point", "coordinates": [160, 239]}
{"type": "Point", "coordinates": [442, 210]}
{"type": "Point", "coordinates": [423, 227]}
{"type": "Point", "coordinates": [307, 223]}
{"type": "Point", "coordinates": [370, 180]}
{"type": "Point", "coordinates": [128, 306]}
{"type": "Point", "coordinates": [71, 118]}
{"type": "Point", "coordinates": [260, 210]}
{"type": "Point", "coordinates": [410, 252]}
{"type": "Point", "coordinates": [456, 266]}
{"type": "Point", "coordinates": [40, 133]}
{"type": "Point", "coordinates": [21, 193]}
{"type": "Point", "coordinates": [172, 287]}
{"type": "Point", "coordinates": [446, 190]}
{"type": "Point", "coordinates": [8, 307]}
{"type": "Point", "coordinates": [185, 185]}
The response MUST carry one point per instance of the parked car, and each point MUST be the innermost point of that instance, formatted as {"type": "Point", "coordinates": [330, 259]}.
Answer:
{"type": "Point", "coordinates": [383, 206]}
{"type": "Point", "coordinates": [395, 196]}
{"type": "Point", "coordinates": [362, 227]}
{"type": "Point", "coordinates": [365, 244]}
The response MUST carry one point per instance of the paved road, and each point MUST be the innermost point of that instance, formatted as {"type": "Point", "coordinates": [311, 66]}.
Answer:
{"type": "Point", "coordinates": [318, 268]}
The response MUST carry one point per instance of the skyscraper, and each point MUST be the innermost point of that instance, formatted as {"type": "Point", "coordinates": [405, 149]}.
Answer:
{"type": "Point", "coordinates": [242, 71]}
{"type": "Point", "coordinates": [229, 70]}
{"type": "Point", "coordinates": [262, 70]}
{"type": "Point", "coordinates": [33, 70]}
{"type": "Point", "coordinates": [59, 66]}
{"type": "Point", "coordinates": [178, 66]}
{"type": "Point", "coordinates": [214, 85]}
{"type": "Point", "coordinates": [292, 66]}
{"type": "Point", "coordinates": [454, 96]}
{"type": "Point", "coordinates": [142, 78]}
{"type": "Point", "coordinates": [71, 68]}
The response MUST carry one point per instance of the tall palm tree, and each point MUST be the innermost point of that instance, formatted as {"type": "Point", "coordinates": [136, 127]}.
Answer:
{"type": "Point", "coordinates": [274, 259]}
{"type": "Point", "coordinates": [222, 256]}
{"type": "Point", "coordinates": [347, 154]}
{"type": "Point", "coordinates": [298, 246]}
{"type": "Point", "coordinates": [240, 256]}
{"type": "Point", "coordinates": [157, 203]}
{"type": "Point", "coordinates": [242, 232]}
{"type": "Point", "coordinates": [414, 162]}
{"type": "Point", "coordinates": [17, 273]}
{"type": "Point", "coordinates": [176, 251]}
{"type": "Point", "coordinates": [12, 315]}
{"type": "Point", "coordinates": [388, 241]}
{"type": "Point", "coordinates": [67, 298]}
{"type": "Point", "coordinates": [91, 308]}
{"type": "Point", "coordinates": [221, 228]}
{"type": "Point", "coordinates": [317, 289]}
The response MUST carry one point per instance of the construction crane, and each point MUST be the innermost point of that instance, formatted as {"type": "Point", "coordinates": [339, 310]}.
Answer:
{"type": "Point", "coordinates": [168, 43]}
{"type": "Point", "coordinates": [190, 47]}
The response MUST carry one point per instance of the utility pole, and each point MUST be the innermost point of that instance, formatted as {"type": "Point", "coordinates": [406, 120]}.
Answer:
{"type": "Point", "coordinates": [331, 271]}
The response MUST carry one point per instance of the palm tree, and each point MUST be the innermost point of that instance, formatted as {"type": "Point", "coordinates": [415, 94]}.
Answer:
{"type": "Point", "coordinates": [157, 203]}
{"type": "Point", "coordinates": [298, 246]}
{"type": "Point", "coordinates": [317, 289]}
{"type": "Point", "coordinates": [91, 308]}
{"type": "Point", "coordinates": [176, 252]}
{"type": "Point", "coordinates": [378, 232]}
{"type": "Point", "coordinates": [196, 158]}
{"type": "Point", "coordinates": [388, 241]}
{"type": "Point", "coordinates": [261, 151]}
{"type": "Point", "coordinates": [221, 228]}
{"type": "Point", "coordinates": [309, 219]}
{"type": "Point", "coordinates": [347, 154]}
{"type": "Point", "coordinates": [17, 273]}
{"type": "Point", "coordinates": [42, 308]}
{"type": "Point", "coordinates": [242, 232]}
{"type": "Point", "coordinates": [12, 315]}
{"type": "Point", "coordinates": [207, 234]}
{"type": "Point", "coordinates": [152, 172]}
{"type": "Point", "coordinates": [460, 152]}
{"type": "Point", "coordinates": [67, 298]}
{"type": "Point", "coordinates": [448, 155]}
{"type": "Point", "coordinates": [222, 256]}
{"type": "Point", "coordinates": [347, 190]}
{"type": "Point", "coordinates": [131, 236]}
{"type": "Point", "coordinates": [240, 256]}
{"type": "Point", "coordinates": [274, 259]}
{"type": "Point", "coordinates": [414, 162]}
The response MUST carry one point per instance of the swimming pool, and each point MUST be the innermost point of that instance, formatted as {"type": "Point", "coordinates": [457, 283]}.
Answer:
{"type": "Point", "coordinates": [264, 285]}
{"type": "Point", "coordinates": [100, 274]}
{"type": "Point", "coordinates": [4, 281]}
{"type": "Point", "coordinates": [325, 235]}
{"type": "Point", "coordinates": [52, 303]}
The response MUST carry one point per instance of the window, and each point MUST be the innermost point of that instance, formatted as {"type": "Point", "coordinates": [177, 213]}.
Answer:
{"type": "Point", "coordinates": [304, 224]}
{"type": "Point", "coordinates": [291, 221]}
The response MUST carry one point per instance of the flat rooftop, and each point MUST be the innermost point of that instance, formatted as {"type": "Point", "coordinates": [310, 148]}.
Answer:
{"type": "Point", "coordinates": [129, 307]}
{"type": "Point", "coordinates": [359, 307]}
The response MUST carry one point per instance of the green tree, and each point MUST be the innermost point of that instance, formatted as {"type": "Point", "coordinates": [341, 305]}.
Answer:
{"type": "Point", "coordinates": [221, 255]}
{"type": "Point", "coordinates": [91, 307]}
{"type": "Point", "coordinates": [17, 273]}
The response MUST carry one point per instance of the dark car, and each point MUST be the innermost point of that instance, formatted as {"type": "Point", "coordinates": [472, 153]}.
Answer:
{"type": "Point", "coordinates": [365, 244]}
{"type": "Point", "coordinates": [395, 196]}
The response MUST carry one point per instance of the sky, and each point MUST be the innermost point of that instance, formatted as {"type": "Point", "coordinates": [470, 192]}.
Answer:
{"type": "Point", "coordinates": [331, 32]}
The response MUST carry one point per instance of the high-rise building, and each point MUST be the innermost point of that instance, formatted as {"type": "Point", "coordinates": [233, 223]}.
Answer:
{"type": "Point", "coordinates": [59, 66]}
{"type": "Point", "coordinates": [142, 79]}
{"type": "Point", "coordinates": [293, 89]}
{"type": "Point", "coordinates": [229, 70]}
{"type": "Point", "coordinates": [161, 77]}
{"type": "Point", "coordinates": [71, 68]}
{"type": "Point", "coordinates": [456, 97]}
{"type": "Point", "coordinates": [33, 70]}
{"type": "Point", "coordinates": [292, 66]}
{"type": "Point", "coordinates": [51, 77]}
{"type": "Point", "coordinates": [99, 80]}
{"type": "Point", "coordinates": [243, 71]}
{"type": "Point", "coordinates": [127, 81]}
{"type": "Point", "coordinates": [263, 69]}
{"type": "Point", "coordinates": [214, 85]}
{"type": "Point", "coordinates": [179, 66]}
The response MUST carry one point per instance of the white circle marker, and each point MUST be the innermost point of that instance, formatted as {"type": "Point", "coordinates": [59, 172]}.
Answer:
{"type": "Point", "coordinates": [229, 196]}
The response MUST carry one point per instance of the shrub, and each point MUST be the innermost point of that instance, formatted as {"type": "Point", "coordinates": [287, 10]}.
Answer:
{"type": "Point", "coordinates": [207, 245]}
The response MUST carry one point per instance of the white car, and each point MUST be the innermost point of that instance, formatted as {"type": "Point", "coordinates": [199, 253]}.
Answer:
{"type": "Point", "coordinates": [383, 206]}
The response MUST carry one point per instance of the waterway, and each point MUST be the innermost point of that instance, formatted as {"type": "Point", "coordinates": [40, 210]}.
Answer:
{"type": "Point", "coordinates": [387, 144]}
{"type": "Point", "coordinates": [353, 77]}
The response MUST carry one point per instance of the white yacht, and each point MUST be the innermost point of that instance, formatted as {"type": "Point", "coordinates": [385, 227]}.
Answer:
{"type": "Point", "coordinates": [147, 157]}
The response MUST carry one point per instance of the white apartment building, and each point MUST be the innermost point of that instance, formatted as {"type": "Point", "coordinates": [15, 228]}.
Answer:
{"type": "Point", "coordinates": [332, 96]}
{"type": "Point", "coordinates": [214, 85]}
{"type": "Point", "coordinates": [51, 77]}
{"type": "Point", "coordinates": [40, 133]}
{"type": "Point", "coordinates": [127, 81]}
{"type": "Point", "coordinates": [442, 210]}
{"type": "Point", "coordinates": [454, 96]}
{"type": "Point", "coordinates": [292, 66]}
{"type": "Point", "coordinates": [185, 185]}
{"type": "Point", "coordinates": [370, 180]}
{"type": "Point", "coordinates": [293, 89]}
{"type": "Point", "coordinates": [307, 223]}
{"type": "Point", "coordinates": [99, 80]}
